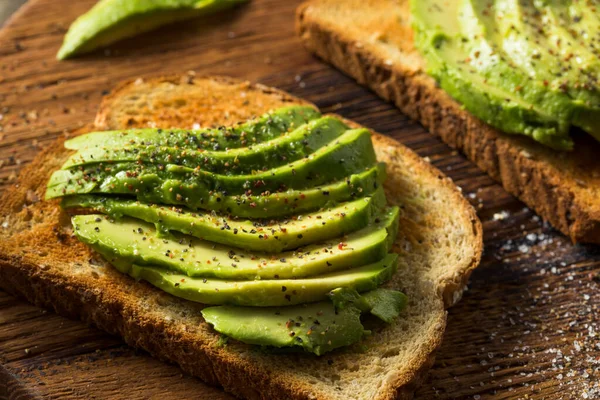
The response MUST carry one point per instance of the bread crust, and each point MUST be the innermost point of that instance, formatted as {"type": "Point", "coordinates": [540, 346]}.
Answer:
{"type": "Point", "coordinates": [39, 259]}
{"type": "Point", "coordinates": [563, 188]}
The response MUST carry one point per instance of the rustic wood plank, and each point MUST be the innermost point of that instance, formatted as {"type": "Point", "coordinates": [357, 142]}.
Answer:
{"type": "Point", "coordinates": [527, 328]}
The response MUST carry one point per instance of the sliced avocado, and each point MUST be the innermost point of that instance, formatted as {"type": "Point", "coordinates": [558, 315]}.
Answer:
{"type": "Point", "coordinates": [577, 20]}
{"type": "Point", "coordinates": [511, 50]}
{"type": "Point", "coordinates": [284, 149]}
{"type": "Point", "coordinates": [262, 293]}
{"type": "Point", "coordinates": [516, 28]}
{"type": "Point", "coordinates": [452, 60]}
{"type": "Point", "coordinates": [112, 20]}
{"type": "Point", "coordinates": [269, 126]}
{"type": "Point", "coordinates": [568, 40]}
{"type": "Point", "coordinates": [352, 152]}
{"type": "Point", "coordinates": [265, 205]}
{"type": "Point", "coordinates": [136, 242]}
{"type": "Point", "coordinates": [317, 327]}
{"type": "Point", "coordinates": [272, 236]}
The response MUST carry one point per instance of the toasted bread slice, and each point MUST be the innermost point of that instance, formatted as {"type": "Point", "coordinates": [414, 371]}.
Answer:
{"type": "Point", "coordinates": [372, 41]}
{"type": "Point", "coordinates": [440, 241]}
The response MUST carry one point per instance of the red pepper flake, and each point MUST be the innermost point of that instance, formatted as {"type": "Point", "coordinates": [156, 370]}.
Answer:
{"type": "Point", "coordinates": [302, 195]}
{"type": "Point", "coordinates": [341, 245]}
{"type": "Point", "coordinates": [253, 204]}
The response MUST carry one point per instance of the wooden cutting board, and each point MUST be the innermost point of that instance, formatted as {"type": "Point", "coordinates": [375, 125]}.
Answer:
{"type": "Point", "coordinates": [527, 328]}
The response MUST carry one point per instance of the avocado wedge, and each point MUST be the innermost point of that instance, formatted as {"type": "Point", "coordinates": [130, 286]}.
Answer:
{"type": "Point", "coordinates": [263, 293]}
{"type": "Point", "coordinates": [136, 242]}
{"type": "Point", "coordinates": [272, 236]}
{"type": "Point", "coordinates": [112, 20]}
{"type": "Point", "coordinates": [284, 149]}
{"type": "Point", "coordinates": [350, 153]}
{"type": "Point", "coordinates": [267, 127]}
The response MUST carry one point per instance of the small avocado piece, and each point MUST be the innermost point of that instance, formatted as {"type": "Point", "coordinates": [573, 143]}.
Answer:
{"type": "Point", "coordinates": [346, 297]}
{"type": "Point", "coordinates": [284, 149]}
{"type": "Point", "coordinates": [262, 292]}
{"type": "Point", "coordinates": [112, 20]}
{"type": "Point", "coordinates": [317, 328]}
{"type": "Point", "coordinates": [269, 126]}
{"type": "Point", "coordinates": [137, 243]}
{"type": "Point", "coordinates": [267, 205]}
{"type": "Point", "coordinates": [352, 152]}
{"type": "Point", "coordinates": [272, 236]}
{"type": "Point", "coordinates": [385, 304]}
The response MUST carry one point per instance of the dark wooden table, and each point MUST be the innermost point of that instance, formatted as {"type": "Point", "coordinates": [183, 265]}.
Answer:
{"type": "Point", "coordinates": [528, 327]}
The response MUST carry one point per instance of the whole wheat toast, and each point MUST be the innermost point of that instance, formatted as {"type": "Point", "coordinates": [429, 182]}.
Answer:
{"type": "Point", "coordinates": [440, 241]}
{"type": "Point", "coordinates": [372, 41]}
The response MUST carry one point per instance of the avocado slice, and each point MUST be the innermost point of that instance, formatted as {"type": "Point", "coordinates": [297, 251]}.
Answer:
{"type": "Point", "coordinates": [272, 236]}
{"type": "Point", "coordinates": [317, 328]}
{"type": "Point", "coordinates": [112, 20]}
{"type": "Point", "coordinates": [459, 56]}
{"type": "Point", "coordinates": [136, 242]}
{"type": "Point", "coordinates": [269, 126]}
{"type": "Point", "coordinates": [263, 292]}
{"type": "Point", "coordinates": [350, 153]}
{"type": "Point", "coordinates": [266, 155]}
{"type": "Point", "coordinates": [265, 205]}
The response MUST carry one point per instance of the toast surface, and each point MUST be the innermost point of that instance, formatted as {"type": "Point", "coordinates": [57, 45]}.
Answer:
{"type": "Point", "coordinates": [372, 41]}
{"type": "Point", "coordinates": [440, 242]}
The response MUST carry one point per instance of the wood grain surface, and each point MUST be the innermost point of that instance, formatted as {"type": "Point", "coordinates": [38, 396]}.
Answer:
{"type": "Point", "coordinates": [528, 328]}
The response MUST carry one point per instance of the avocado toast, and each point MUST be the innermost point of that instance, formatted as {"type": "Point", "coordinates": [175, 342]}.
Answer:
{"type": "Point", "coordinates": [437, 248]}
{"type": "Point", "coordinates": [526, 68]}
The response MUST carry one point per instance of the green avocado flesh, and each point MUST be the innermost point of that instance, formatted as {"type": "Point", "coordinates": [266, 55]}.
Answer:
{"type": "Point", "coordinates": [112, 20]}
{"type": "Point", "coordinates": [287, 210]}
{"type": "Point", "coordinates": [266, 128]}
{"type": "Point", "coordinates": [269, 205]}
{"type": "Point", "coordinates": [511, 68]}
{"type": "Point", "coordinates": [271, 236]}
{"type": "Point", "coordinates": [317, 327]}
{"type": "Point", "coordinates": [266, 155]}
{"type": "Point", "coordinates": [351, 153]}
{"type": "Point", "coordinates": [263, 292]}
{"type": "Point", "coordinates": [135, 241]}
